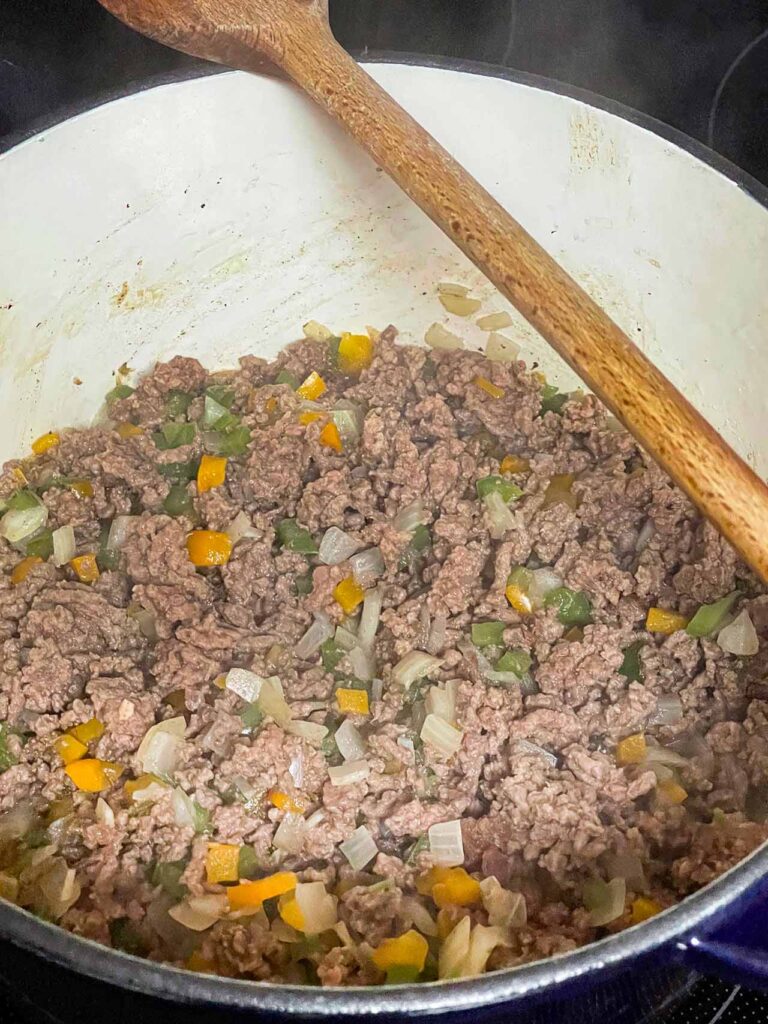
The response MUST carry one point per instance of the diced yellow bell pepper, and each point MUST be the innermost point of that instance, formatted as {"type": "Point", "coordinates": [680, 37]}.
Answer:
{"type": "Point", "coordinates": [349, 594]}
{"type": "Point", "coordinates": [407, 950]}
{"type": "Point", "coordinates": [23, 569]}
{"type": "Point", "coordinates": [208, 547]}
{"type": "Point", "coordinates": [92, 775]}
{"type": "Point", "coordinates": [490, 389]}
{"type": "Point", "coordinates": [220, 681]}
{"type": "Point", "coordinates": [200, 964]}
{"type": "Point", "coordinates": [642, 909]}
{"type": "Point", "coordinates": [514, 464]}
{"type": "Point", "coordinates": [86, 568]}
{"type": "Point", "coordinates": [221, 863]}
{"type": "Point", "coordinates": [330, 437]}
{"type": "Point", "coordinates": [45, 442]}
{"type": "Point", "coordinates": [632, 749]}
{"type": "Point", "coordinates": [88, 731]}
{"type": "Point", "coordinates": [83, 488]}
{"type": "Point", "coordinates": [285, 802]}
{"type": "Point", "coordinates": [211, 473]}
{"type": "Point", "coordinates": [18, 476]}
{"type": "Point", "coordinates": [290, 912]}
{"type": "Point", "coordinates": [458, 889]}
{"type": "Point", "coordinates": [305, 418]}
{"type": "Point", "coordinates": [253, 894]}
{"type": "Point", "coordinates": [355, 353]}
{"type": "Point", "coordinates": [659, 620]}
{"type": "Point", "coordinates": [133, 786]}
{"type": "Point", "coordinates": [671, 792]}
{"type": "Point", "coordinates": [519, 600]}
{"type": "Point", "coordinates": [312, 388]}
{"type": "Point", "coordinates": [126, 430]}
{"type": "Point", "coordinates": [69, 749]}
{"type": "Point", "coordinates": [424, 883]}
{"type": "Point", "coordinates": [352, 702]}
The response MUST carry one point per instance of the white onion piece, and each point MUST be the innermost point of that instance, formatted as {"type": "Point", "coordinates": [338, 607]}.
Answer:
{"type": "Point", "coordinates": [506, 679]}
{"type": "Point", "coordinates": [118, 532]}
{"type": "Point", "coordinates": [198, 913]}
{"type": "Point", "coordinates": [272, 702]}
{"type": "Point", "coordinates": [359, 849]}
{"type": "Point", "coordinates": [146, 622]}
{"type": "Point", "coordinates": [152, 792]}
{"type": "Point", "coordinates": [336, 546]}
{"type": "Point", "coordinates": [739, 637]}
{"type": "Point", "coordinates": [369, 618]}
{"type": "Point", "coordinates": [318, 907]}
{"type": "Point", "coordinates": [345, 638]}
{"type": "Point", "coordinates": [296, 767]}
{"type": "Point", "coordinates": [312, 732]}
{"type": "Point", "coordinates": [349, 741]}
{"type": "Point", "coordinates": [604, 900]}
{"type": "Point", "coordinates": [63, 545]}
{"type": "Point", "coordinates": [104, 813]}
{"type": "Point", "coordinates": [363, 664]}
{"type": "Point", "coordinates": [454, 952]}
{"type": "Point", "coordinates": [446, 844]}
{"type": "Point", "coordinates": [668, 711]}
{"type": "Point", "coordinates": [247, 685]}
{"type": "Point", "coordinates": [644, 536]}
{"type": "Point", "coordinates": [501, 349]}
{"type": "Point", "coordinates": [441, 735]}
{"type": "Point", "coordinates": [320, 631]}
{"type": "Point", "coordinates": [406, 743]}
{"type": "Point", "coordinates": [504, 908]}
{"type": "Point", "coordinates": [450, 288]}
{"type": "Point", "coordinates": [349, 773]}
{"type": "Point", "coordinates": [441, 701]}
{"type": "Point", "coordinates": [241, 528]}
{"type": "Point", "coordinates": [543, 582]}
{"type": "Point", "coordinates": [18, 524]}
{"type": "Point", "coordinates": [415, 665]}
{"type": "Point", "coordinates": [317, 332]}
{"type": "Point", "coordinates": [494, 321]}
{"type": "Point", "coordinates": [481, 944]}
{"type": "Point", "coordinates": [534, 748]}
{"type": "Point", "coordinates": [377, 690]}
{"type": "Point", "coordinates": [367, 566]}
{"type": "Point", "coordinates": [440, 337]}
{"type": "Point", "coordinates": [343, 932]}
{"type": "Point", "coordinates": [419, 915]}
{"type": "Point", "coordinates": [15, 824]}
{"type": "Point", "coordinates": [664, 755]}
{"type": "Point", "coordinates": [159, 751]}
{"type": "Point", "coordinates": [183, 809]}
{"type": "Point", "coordinates": [409, 517]}
{"type": "Point", "coordinates": [500, 519]}
{"type": "Point", "coordinates": [348, 418]}
{"type": "Point", "coordinates": [290, 834]}
{"type": "Point", "coordinates": [316, 818]}
{"type": "Point", "coordinates": [459, 305]}
{"type": "Point", "coordinates": [59, 887]}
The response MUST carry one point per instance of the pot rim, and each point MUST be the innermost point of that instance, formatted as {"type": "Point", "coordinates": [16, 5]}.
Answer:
{"type": "Point", "coordinates": [707, 907]}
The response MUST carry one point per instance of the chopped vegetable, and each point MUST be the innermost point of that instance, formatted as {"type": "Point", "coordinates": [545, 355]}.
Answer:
{"type": "Point", "coordinates": [160, 748]}
{"type": "Point", "coordinates": [440, 337]}
{"type": "Point", "coordinates": [348, 594]}
{"type": "Point", "coordinates": [178, 502]}
{"type": "Point", "coordinates": [574, 607]}
{"type": "Point", "coordinates": [318, 634]}
{"type": "Point", "coordinates": [367, 566]}
{"type": "Point", "coordinates": [490, 389]}
{"type": "Point", "coordinates": [710, 617]}
{"type": "Point", "coordinates": [355, 353]}
{"type": "Point", "coordinates": [248, 863]}
{"type": "Point", "coordinates": [296, 538]}
{"type": "Point", "coordinates": [92, 775]}
{"type": "Point", "coordinates": [7, 757]}
{"type": "Point", "coordinates": [494, 321]}
{"type": "Point", "coordinates": [352, 702]}
{"type": "Point", "coordinates": [500, 519]}
{"type": "Point", "coordinates": [174, 435]}
{"type": "Point", "coordinates": [124, 935]}
{"type": "Point", "coordinates": [179, 472]}
{"type": "Point", "coordinates": [518, 598]}
{"type": "Point", "coordinates": [406, 951]}
{"type": "Point", "coordinates": [330, 437]}
{"type": "Point", "coordinates": [222, 862]}
{"type": "Point", "coordinates": [305, 418]}
{"type": "Point", "coordinates": [119, 391]}
{"type": "Point", "coordinates": [199, 913]}
{"type": "Point", "coordinates": [88, 731]}
{"type": "Point", "coordinates": [337, 546]}
{"type": "Point", "coordinates": [632, 749]}
{"type": "Point", "coordinates": [349, 742]}
{"type": "Point", "coordinates": [212, 472]}
{"type": "Point", "coordinates": [285, 377]}
{"type": "Point", "coordinates": [414, 665]}
{"type": "Point", "coordinates": [349, 773]}
{"type": "Point", "coordinates": [63, 545]}
{"type": "Point", "coordinates": [501, 349]}
{"type": "Point", "coordinates": [559, 492]}
{"type": "Point", "coordinates": [370, 617]}
{"type": "Point", "coordinates": [632, 667]}
{"type": "Point", "coordinates": [126, 430]}
{"type": "Point", "coordinates": [671, 792]}
{"type": "Point", "coordinates": [459, 305]}
{"type": "Point", "coordinates": [23, 499]}
{"type": "Point", "coordinates": [604, 900]}
{"type": "Point", "coordinates": [312, 388]}
{"type": "Point", "coordinates": [516, 660]}
{"type": "Point", "coordinates": [659, 620]}
{"type": "Point", "coordinates": [26, 516]}
{"type": "Point", "coordinates": [42, 545]}
{"type": "Point", "coordinates": [69, 749]}
{"type": "Point", "coordinates": [220, 393]}
{"type": "Point", "coordinates": [284, 802]}
{"type": "Point", "coordinates": [252, 718]}
{"type": "Point", "coordinates": [739, 637]}
{"type": "Point", "coordinates": [177, 403]}
{"type": "Point", "coordinates": [251, 895]}
{"type": "Point", "coordinates": [167, 875]}
{"type": "Point", "coordinates": [514, 464]}
{"type": "Point", "coordinates": [441, 735]}
{"type": "Point", "coordinates": [551, 399]}
{"type": "Point", "coordinates": [456, 888]}
{"type": "Point", "coordinates": [86, 567]}
{"type": "Point", "coordinates": [23, 569]}
{"type": "Point", "coordinates": [488, 634]}
{"type": "Point", "coordinates": [234, 442]}
{"type": "Point", "coordinates": [82, 488]}
{"type": "Point", "coordinates": [642, 909]}
{"type": "Point", "coordinates": [208, 548]}
{"type": "Point", "coordinates": [489, 484]}
{"type": "Point", "coordinates": [290, 912]}
{"type": "Point", "coordinates": [359, 849]}
{"type": "Point", "coordinates": [45, 443]}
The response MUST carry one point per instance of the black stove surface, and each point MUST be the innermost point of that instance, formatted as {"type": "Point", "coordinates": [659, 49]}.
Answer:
{"type": "Point", "coordinates": [698, 66]}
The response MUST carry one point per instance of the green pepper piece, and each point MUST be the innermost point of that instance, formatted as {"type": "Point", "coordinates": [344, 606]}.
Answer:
{"type": "Point", "coordinates": [402, 974]}
{"type": "Point", "coordinates": [333, 350]}
{"type": "Point", "coordinates": [520, 577]}
{"type": "Point", "coordinates": [709, 617]}
{"type": "Point", "coordinates": [294, 537]}
{"type": "Point", "coordinates": [22, 500]}
{"type": "Point", "coordinates": [632, 666]}
{"type": "Point", "coordinates": [202, 818]}
{"type": "Point", "coordinates": [41, 546]}
{"type": "Point", "coordinates": [177, 403]}
{"type": "Point", "coordinates": [173, 435]}
{"type": "Point", "coordinates": [125, 936]}
{"type": "Point", "coordinates": [251, 716]}
{"type": "Point", "coordinates": [507, 490]}
{"type": "Point", "coordinates": [168, 876]}
{"type": "Point", "coordinates": [304, 584]}
{"type": "Point", "coordinates": [106, 560]}
{"type": "Point", "coordinates": [7, 758]}
{"type": "Point", "coordinates": [248, 864]}
{"type": "Point", "coordinates": [421, 538]}
{"type": "Point", "coordinates": [178, 502]}
{"type": "Point", "coordinates": [516, 660]}
{"type": "Point", "coordinates": [551, 399]}
{"type": "Point", "coordinates": [488, 634]}
{"type": "Point", "coordinates": [178, 472]}
{"type": "Point", "coordinates": [221, 394]}
{"type": "Point", "coordinates": [235, 442]}
{"type": "Point", "coordinates": [331, 654]}
{"type": "Point", "coordinates": [285, 377]}
{"type": "Point", "coordinates": [119, 391]}
{"type": "Point", "coordinates": [574, 607]}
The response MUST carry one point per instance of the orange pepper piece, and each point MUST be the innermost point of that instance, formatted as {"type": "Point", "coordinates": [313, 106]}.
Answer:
{"type": "Point", "coordinates": [221, 862]}
{"type": "Point", "coordinates": [312, 388]}
{"type": "Point", "coordinates": [86, 568]}
{"type": "Point", "coordinates": [211, 473]}
{"type": "Point", "coordinates": [45, 442]}
{"type": "Point", "coordinates": [349, 594]}
{"type": "Point", "coordinates": [136, 785]}
{"type": "Point", "coordinates": [88, 731]}
{"type": "Point", "coordinates": [305, 418]}
{"type": "Point", "coordinates": [69, 749]}
{"type": "Point", "coordinates": [642, 909]}
{"type": "Point", "coordinates": [252, 894]}
{"type": "Point", "coordinates": [671, 792]}
{"type": "Point", "coordinates": [407, 950]}
{"type": "Point", "coordinates": [514, 464]}
{"type": "Point", "coordinates": [490, 389]}
{"type": "Point", "coordinates": [83, 488]}
{"type": "Point", "coordinates": [425, 882]}
{"type": "Point", "coordinates": [208, 547]}
{"type": "Point", "coordinates": [352, 702]}
{"type": "Point", "coordinates": [284, 802]}
{"type": "Point", "coordinates": [126, 430]}
{"type": "Point", "coordinates": [92, 775]}
{"type": "Point", "coordinates": [355, 353]}
{"type": "Point", "coordinates": [519, 600]}
{"type": "Point", "coordinates": [23, 569]}
{"type": "Point", "coordinates": [290, 911]}
{"type": "Point", "coordinates": [330, 437]}
{"type": "Point", "coordinates": [458, 890]}
{"type": "Point", "coordinates": [632, 749]}
{"type": "Point", "coordinates": [200, 964]}
{"type": "Point", "coordinates": [659, 620]}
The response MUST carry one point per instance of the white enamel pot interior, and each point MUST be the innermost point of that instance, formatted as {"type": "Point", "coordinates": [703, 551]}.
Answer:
{"type": "Point", "coordinates": [213, 216]}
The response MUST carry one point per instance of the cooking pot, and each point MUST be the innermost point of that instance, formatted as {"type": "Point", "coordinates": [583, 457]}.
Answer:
{"type": "Point", "coordinates": [213, 216]}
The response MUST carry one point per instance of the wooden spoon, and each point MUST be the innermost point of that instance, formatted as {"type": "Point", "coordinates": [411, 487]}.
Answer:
{"type": "Point", "coordinates": [295, 36]}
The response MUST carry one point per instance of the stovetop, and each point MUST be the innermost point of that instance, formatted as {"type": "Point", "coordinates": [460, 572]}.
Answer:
{"type": "Point", "coordinates": [698, 66]}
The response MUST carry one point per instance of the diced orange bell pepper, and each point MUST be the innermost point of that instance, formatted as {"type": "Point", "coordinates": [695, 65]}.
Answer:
{"type": "Point", "coordinates": [69, 749]}
{"type": "Point", "coordinates": [200, 964]}
{"type": "Point", "coordinates": [352, 702]}
{"type": "Point", "coordinates": [355, 353]}
{"type": "Point", "coordinates": [407, 950]}
{"type": "Point", "coordinates": [424, 883]}
{"type": "Point", "coordinates": [330, 437]}
{"type": "Point", "coordinates": [211, 473]}
{"type": "Point", "coordinates": [92, 775]}
{"type": "Point", "coordinates": [349, 594]}
{"type": "Point", "coordinates": [142, 782]}
{"type": "Point", "coordinates": [86, 568]}
{"type": "Point", "coordinates": [305, 418]}
{"type": "Point", "coordinates": [312, 388]}
{"type": "Point", "coordinates": [83, 488]}
{"type": "Point", "coordinates": [671, 792]}
{"type": "Point", "coordinates": [23, 569]}
{"type": "Point", "coordinates": [220, 681]}
{"type": "Point", "coordinates": [514, 464]}
{"type": "Point", "coordinates": [290, 911]}
{"type": "Point", "coordinates": [208, 547]}
{"type": "Point", "coordinates": [659, 620]}
{"type": "Point", "coordinates": [252, 894]}
{"type": "Point", "coordinates": [88, 731]}
{"type": "Point", "coordinates": [632, 749]}
{"type": "Point", "coordinates": [221, 862]}
{"type": "Point", "coordinates": [126, 430]}
{"type": "Point", "coordinates": [490, 389]}
{"type": "Point", "coordinates": [270, 405]}
{"type": "Point", "coordinates": [45, 442]}
{"type": "Point", "coordinates": [642, 909]}
{"type": "Point", "coordinates": [458, 889]}
{"type": "Point", "coordinates": [519, 600]}
{"type": "Point", "coordinates": [285, 802]}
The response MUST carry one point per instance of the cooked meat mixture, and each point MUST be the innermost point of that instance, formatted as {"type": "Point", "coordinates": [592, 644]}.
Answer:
{"type": "Point", "coordinates": [372, 663]}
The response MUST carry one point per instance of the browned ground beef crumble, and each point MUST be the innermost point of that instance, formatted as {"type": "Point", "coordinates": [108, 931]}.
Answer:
{"type": "Point", "coordinates": [73, 651]}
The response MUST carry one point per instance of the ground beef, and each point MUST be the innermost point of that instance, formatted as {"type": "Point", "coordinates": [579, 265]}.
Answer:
{"type": "Point", "coordinates": [538, 786]}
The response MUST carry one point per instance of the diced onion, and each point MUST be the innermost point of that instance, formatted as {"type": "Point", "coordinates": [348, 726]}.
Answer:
{"type": "Point", "coordinates": [118, 532]}
{"type": "Point", "coordinates": [441, 701]}
{"type": "Point", "coordinates": [15, 824]}
{"type": "Point", "coordinates": [543, 582]}
{"type": "Point", "coordinates": [183, 809]}
{"type": "Point", "coordinates": [419, 915]}
{"type": "Point", "coordinates": [446, 844]}
{"type": "Point", "coordinates": [272, 702]}
{"type": "Point", "coordinates": [647, 531]}
{"type": "Point", "coordinates": [198, 913]}
{"type": "Point", "coordinates": [449, 288]}
{"type": "Point", "coordinates": [454, 952]}
{"type": "Point", "coordinates": [494, 321]}
{"type": "Point", "coordinates": [146, 621]}
{"type": "Point", "coordinates": [406, 743]}
{"type": "Point", "coordinates": [534, 748]}
{"type": "Point", "coordinates": [104, 813]}
{"type": "Point", "coordinates": [367, 566]}
{"type": "Point", "coordinates": [369, 618]}
{"type": "Point", "coordinates": [336, 546]}
{"type": "Point", "coordinates": [409, 517]}
{"type": "Point", "coordinates": [318, 907]}
{"type": "Point", "coordinates": [441, 735]}
{"type": "Point", "coordinates": [481, 944]}
{"type": "Point", "coordinates": [349, 421]}
{"type": "Point", "coordinates": [247, 685]}
{"type": "Point", "coordinates": [317, 332]}
{"type": "Point", "coordinates": [312, 732]}
{"type": "Point", "coordinates": [349, 773]}
{"type": "Point", "coordinates": [18, 524]}
{"type": "Point", "coordinates": [296, 767]}
{"type": "Point", "coordinates": [320, 631]}
{"type": "Point", "coordinates": [349, 741]}
{"type": "Point", "coordinates": [604, 900]}
{"type": "Point", "coordinates": [504, 908]}
{"type": "Point", "coordinates": [240, 528]}
{"type": "Point", "coordinates": [459, 305]}
{"type": "Point", "coordinates": [63, 545]}
{"type": "Point", "coordinates": [359, 849]}
{"type": "Point", "coordinates": [151, 792]}
{"type": "Point", "coordinates": [739, 637]}
{"type": "Point", "coordinates": [440, 337]}
{"type": "Point", "coordinates": [501, 349]}
{"type": "Point", "coordinates": [159, 751]}
{"type": "Point", "coordinates": [668, 711]}
{"type": "Point", "coordinates": [345, 638]}
{"type": "Point", "coordinates": [415, 665]}
{"type": "Point", "coordinates": [343, 932]}
{"type": "Point", "coordinates": [363, 664]}
{"type": "Point", "coordinates": [500, 519]}
{"type": "Point", "coordinates": [664, 755]}
{"type": "Point", "coordinates": [59, 887]}
{"type": "Point", "coordinates": [316, 818]}
{"type": "Point", "coordinates": [290, 834]}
